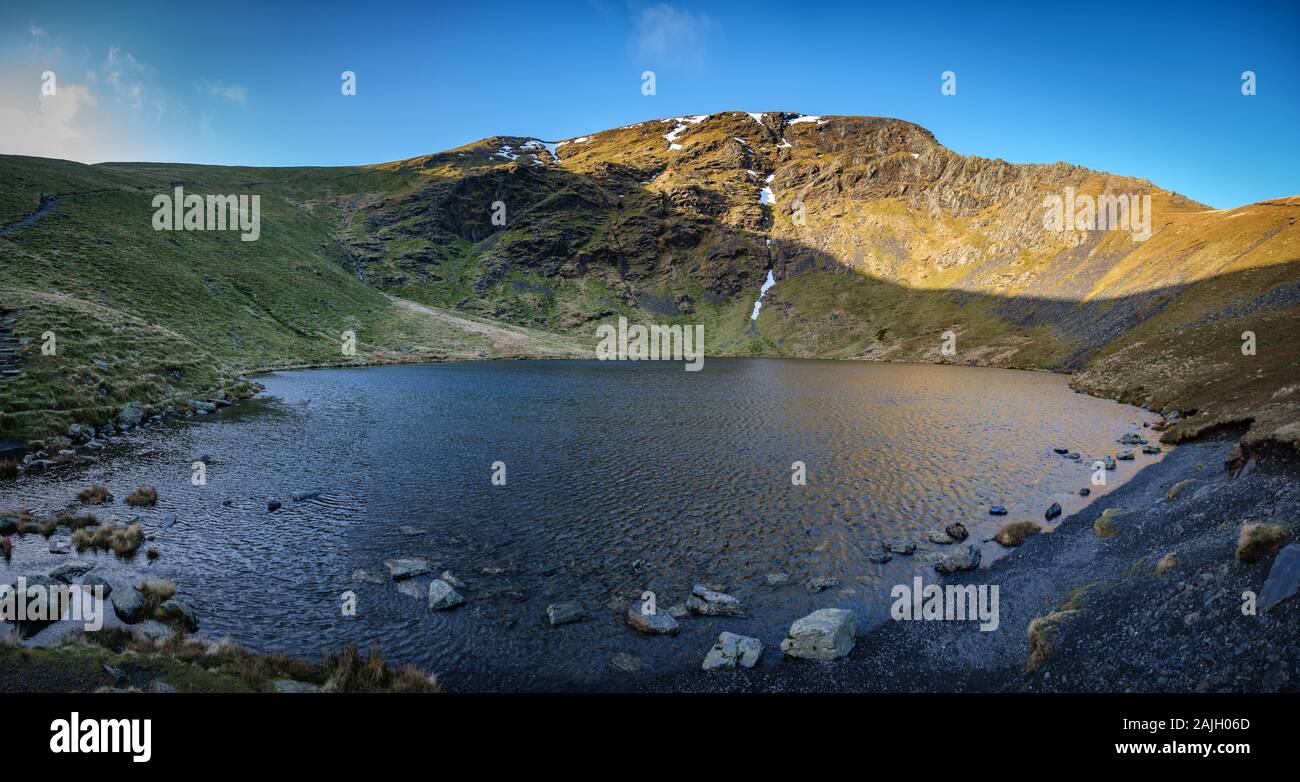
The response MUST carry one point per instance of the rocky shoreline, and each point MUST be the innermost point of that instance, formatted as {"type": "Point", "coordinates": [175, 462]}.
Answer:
{"type": "Point", "coordinates": [1154, 606]}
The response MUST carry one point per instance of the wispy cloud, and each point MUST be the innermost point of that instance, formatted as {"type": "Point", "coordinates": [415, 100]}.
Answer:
{"type": "Point", "coordinates": [234, 93]}
{"type": "Point", "coordinates": [666, 33]}
{"type": "Point", "coordinates": [121, 71]}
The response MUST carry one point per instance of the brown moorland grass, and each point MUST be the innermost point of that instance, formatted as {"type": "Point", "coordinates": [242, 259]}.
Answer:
{"type": "Point", "coordinates": [143, 497]}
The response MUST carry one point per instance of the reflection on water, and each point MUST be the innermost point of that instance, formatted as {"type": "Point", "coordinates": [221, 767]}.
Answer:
{"type": "Point", "coordinates": [621, 477]}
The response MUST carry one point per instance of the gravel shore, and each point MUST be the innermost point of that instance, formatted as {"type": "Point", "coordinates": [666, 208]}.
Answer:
{"type": "Point", "coordinates": [1128, 628]}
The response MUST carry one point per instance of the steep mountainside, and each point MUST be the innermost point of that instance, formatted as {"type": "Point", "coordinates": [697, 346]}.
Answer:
{"type": "Point", "coordinates": [879, 240]}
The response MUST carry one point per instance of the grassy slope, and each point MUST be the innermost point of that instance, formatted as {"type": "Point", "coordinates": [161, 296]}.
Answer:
{"type": "Point", "coordinates": [152, 315]}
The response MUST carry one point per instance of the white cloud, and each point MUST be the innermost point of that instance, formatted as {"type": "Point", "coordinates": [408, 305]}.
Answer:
{"type": "Point", "coordinates": [56, 126]}
{"type": "Point", "coordinates": [664, 32]}
{"type": "Point", "coordinates": [234, 93]}
{"type": "Point", "coordinates": [37, 32]}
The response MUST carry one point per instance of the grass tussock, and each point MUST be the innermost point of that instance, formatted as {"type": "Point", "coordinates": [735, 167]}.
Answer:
{"type": "Point", "coordinates": [8, 468]}
{"type": "Point", "coordinates": [1044, 635]}
{"type": "Point", "coordinates": [95, 494]}
{"type": "Point", "coordinates": [348, 671]}
{"type": "Point", "coordinates": [7, 547]}
{"type": "Point", "coordinates": [156, 591]}
{"type": "Point", "coordinates": [209, 666]}
{"type": "Point", "coordinates": [1258, 541]}
{"type": "Point", "coordinates": [1105, 526]}
{"type": "Point", "coordinates": [123, 541]}
{"type": "Point", "coordinates": [1013, 533]}
{"type": "Point", "coordinates": [1167, 563]}
{"type": "Point", "coordinates": [143, 497]}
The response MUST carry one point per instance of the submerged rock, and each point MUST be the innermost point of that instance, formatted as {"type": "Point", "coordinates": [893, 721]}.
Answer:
{"type": "Point", "coordinates": [821, 584]}
{"type": "Point", "coordinates": [997, 510]}
{"type": "Point", "coordinates": [775, 579]}
{"type": "Point", "coordinates": [957, 531]}
{"type": "Point", "coordinates": [940, 537]}
{"type": "Point", "coordinates": [731, 650]}
{"type": "Point", "coordinates": [706, 602]}
{"type": "Point", "coordinates": [826, 634]}
{"type": "Point", "coordinates": [1052, 511]}
{"type": "Point", "coordinates": [407, 567]}
{"type": "Point", "coordinates": [564, 613]}
{"type": "Point", "coordinates": [442, 596]}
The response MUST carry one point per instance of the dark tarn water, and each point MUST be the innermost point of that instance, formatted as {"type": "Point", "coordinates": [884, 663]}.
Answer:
{"type": "Point", "coordinates": [621, 477]}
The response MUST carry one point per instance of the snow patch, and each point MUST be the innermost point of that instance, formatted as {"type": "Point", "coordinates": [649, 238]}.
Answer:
{"type": "Point", "coordinates": [767, 285]}
{"type": "Point", "coordinates": [757, 117]}
{"type": "Point", "coordinates": [805, 118]}
{"type": "Point", "coordinates": [766, 196]}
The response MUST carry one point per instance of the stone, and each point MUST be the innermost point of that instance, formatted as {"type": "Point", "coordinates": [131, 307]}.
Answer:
{"type": "Point", "coordinates": [997, 510]}
{"type": "Point", "coordinates": [128, 604]}
{"type": "Point", "coordinates": [904, 547]}
{"type": "Point", "coordinates": [678, 611]}
{"type": "Point", "coordinates": [1283, 578]}
{"type": "Point", "coordinates": [628, 663]}
{"type": "Point", "coordinates": [90, 582]}
{"type": "Point", "coordinates": [452, 579]}
{"type": "Point", "coordinates": [131, 415]}
{"type": "Point", "coordinates": [303, 495]}
{"type": "Point", "coordinates": [180, 613]}
{"type": "Point", "coordinates": [407, 567]}
{"type": "Point", "coordinates": [367, 576]}
{"type": "Point", "coordinates": [1108, 462]}
{"type": "Point", "coordinates": [706, 602]}
{"type": "Point", "coordinates": [731, 650]}
{"type": "Point", "coordinates": [965, 558]}
{"type": "Point", "coordinates": [273, 505]}
{"type": "Point", "coordinates": [66, 573]}
{"type": "Point", "coordinates": [1052, 511]}
{"type": "Point", "coordinates": [940, 537]}
{"type": "Point", "coordinates": [825, 634]}
{"type": "Point", "coordinates": [957, 531]}
{"type": "Point", "coordinates": [1125, 455]}
{"type": "Point", "coordinates": [563, 613]}
{"type": "Point", "coordinates": [657, 623]}
{"type": "Point", "coordinates": [442, 596]}
{"type": "Point", "coordinates": [776, 579]}
{"type": "Point", "coordinates": [820, 584]}
{"type": "Point", "coordinates": [1129, 438]}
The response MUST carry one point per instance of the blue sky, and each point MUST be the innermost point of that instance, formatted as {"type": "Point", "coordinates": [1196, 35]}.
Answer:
{"type": "Point", "coordinates": [1153, 92]}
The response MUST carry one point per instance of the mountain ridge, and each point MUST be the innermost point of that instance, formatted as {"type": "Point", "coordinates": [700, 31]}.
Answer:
{"type": "Point", "coordinates": [880, 240]}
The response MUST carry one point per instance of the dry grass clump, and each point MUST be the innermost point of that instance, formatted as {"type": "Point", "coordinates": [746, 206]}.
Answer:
{"type": "Point", "coordinates": [123, 541]}
{"type": "Point", "coordinates": [1258, 541]}
{"type": "Point", "coordinates": [1167, 563]}
{"type": "Point", "coordinates": [348, 671]}
{"type": "Point", "coordinates": [156, 591]}
{"type": "Point", "coordinates": [1013, 533]}
{"type": "Point", "coordinates": [143, 497]}
{"type": "Point", "coordinates": [95, 494]}
{"type": "Point", "coordinates": [1043, 633]}
{"type": "Point", "coordinates": [8, 468]}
